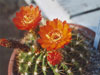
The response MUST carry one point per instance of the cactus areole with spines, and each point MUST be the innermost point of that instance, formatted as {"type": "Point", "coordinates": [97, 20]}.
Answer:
{"type": "Point", "coordinates": [54, 48]}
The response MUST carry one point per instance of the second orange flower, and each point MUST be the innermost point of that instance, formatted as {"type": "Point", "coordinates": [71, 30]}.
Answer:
{"type": "Point", "coordinates": [28, 18]}
{"type": "Point", "coordinates": [54, 35]}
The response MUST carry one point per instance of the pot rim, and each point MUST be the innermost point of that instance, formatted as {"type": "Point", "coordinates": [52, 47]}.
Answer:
{"type": "Point", "coordinates": [11, 62]}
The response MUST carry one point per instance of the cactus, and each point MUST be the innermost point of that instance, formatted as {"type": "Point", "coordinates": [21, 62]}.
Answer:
{"type": "Point", "coordinates": [75, 59]}
{"type": "Point", "coordinates": [53, 49]}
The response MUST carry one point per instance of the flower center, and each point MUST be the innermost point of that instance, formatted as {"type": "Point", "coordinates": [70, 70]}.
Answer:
{"type": "Point", "coordinates": [54, 35]}
{"type": "Point", "coordinates": [28, 19]}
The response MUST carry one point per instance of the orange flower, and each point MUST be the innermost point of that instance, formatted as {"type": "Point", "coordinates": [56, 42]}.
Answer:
{"type": "Point", "coordinates": [27, 18]}
{"type": "Point", "coordinates": [54, 58]}
{"type": "Point", "coordinates": [54, 35]}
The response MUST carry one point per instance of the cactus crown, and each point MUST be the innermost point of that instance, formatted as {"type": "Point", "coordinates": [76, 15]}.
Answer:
{"type": "Point", "coordinates": [54, 48]}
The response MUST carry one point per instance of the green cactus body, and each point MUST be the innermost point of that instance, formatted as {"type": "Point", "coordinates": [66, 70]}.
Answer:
{"type": "Point", "coordinates": [32, 63]}
{"type": "Point", "coordinates": [37, 62]}
{"type": "Point", "coordinates": [65, 67]}
{"type": "Point", "coordinates": [54, 68]}
{"type": "Point", "coordinates": [44, 65]}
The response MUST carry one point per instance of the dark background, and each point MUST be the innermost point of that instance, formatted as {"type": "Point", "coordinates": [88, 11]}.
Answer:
{"type": "Point", "coordinates": [8, 30]}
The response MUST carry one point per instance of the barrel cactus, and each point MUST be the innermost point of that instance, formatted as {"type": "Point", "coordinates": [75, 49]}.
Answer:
{"type": "Point", "coordinates": [53, 48]}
